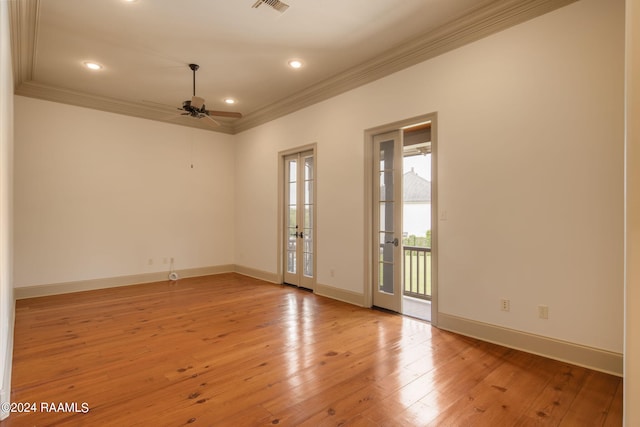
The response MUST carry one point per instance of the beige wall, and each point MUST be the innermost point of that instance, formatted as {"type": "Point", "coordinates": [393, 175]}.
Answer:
{"type": "Point", "coordinates": [530, 173]}
{"type": "Point", "coordinates": [632, 332]}
{"type": "Point", "coordinates": [97, 195]}
{"type": "Point", "coordinates": [6, 206]}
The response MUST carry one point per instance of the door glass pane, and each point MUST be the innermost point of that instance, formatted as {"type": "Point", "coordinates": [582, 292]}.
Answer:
{"type": "Point", "coordinates": [293, 188]}
{"type": "Point", "coordinates": [386, 155]}
{"type": "Point", "coordinates": [386, 252]}
{"type": "Point", "coordinates": [293, 220]}
{"type": "Point", "coordinates": [385, 282]}
{"type": "Point", "coordinates": [308, 192]}
{"type": "Point", "coordinates": [308, 265]}
{"type": "Point", "coordinates": [386, 185]}
{"type": "Point", "coordinates": [308, 168]}
{"type": "Point", "coordinates": [308, 217]}
{"type": "Point", "coordinates": [291, 261]}
{"type": "Point", "coordinates": [291, 215]}
{"type": "Point", "coordinates": [307, 220]}
{"type": "Point", "coordinates": [308, 240]}
{"type": "Point", "coordinates": [292, 246]}
{"type": "Point", "coordinates": [293, 170]}
{"type": "Point", "coordinates": [386, 216]}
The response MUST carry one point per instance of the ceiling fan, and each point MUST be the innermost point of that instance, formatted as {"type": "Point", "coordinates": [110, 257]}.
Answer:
{"type": "Point", "coordinates": [195, 106]}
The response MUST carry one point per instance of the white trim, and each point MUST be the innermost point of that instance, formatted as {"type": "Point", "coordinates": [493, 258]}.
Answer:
{"type": "Point", "coordinates": [343, 295]}
{"type": "Point", "coordinates": [113, 282]}
{"type": "Point", "coordinates": [477, 24]}
{"type": "Point", "coordinates": [434, 220]}
{"type": "Point", "coordinates": [258, 274]}
{"type": "Point", "coordinates": [576, 354]}
{"type": "Point", "coordinates": [631, 412]}
{"type": "Point", "coordinates": [37, 90]}
{"type": "Point", "coordinates": [592, 358]}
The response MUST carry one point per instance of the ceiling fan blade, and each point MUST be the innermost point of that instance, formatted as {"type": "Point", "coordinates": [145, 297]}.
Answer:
{"type": "Point", "coordinates": [213, 122]}
{"type": "Point", "coordinates": [197, 102]}
{"type": "Point", "coordinates": [231, 114]}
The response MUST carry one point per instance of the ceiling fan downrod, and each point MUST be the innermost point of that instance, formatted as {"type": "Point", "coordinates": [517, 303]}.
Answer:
{"type": "Point", "coordinates": [194, 68]}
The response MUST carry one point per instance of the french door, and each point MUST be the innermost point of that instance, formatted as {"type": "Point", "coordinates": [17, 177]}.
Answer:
{"type": "Point", "coordinates": [299, 257]}
{"type": "Point", "coordinates": [387, 220]}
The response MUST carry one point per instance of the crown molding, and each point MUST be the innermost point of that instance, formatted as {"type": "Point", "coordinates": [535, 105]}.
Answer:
{"type": "Point", "coordinates": [33, 89]}
{"type": "Point", "coordinates": [23, 16]}
{"type": "Point", "coordinates": [481, 22]}
{"type": "Point", "coordinates": [475, 25]}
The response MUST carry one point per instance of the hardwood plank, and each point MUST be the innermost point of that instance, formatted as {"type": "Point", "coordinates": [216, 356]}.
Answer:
{"type": "Point", "coordinates": [593, 402]}
{"type": "Point", "coordinates": [232, 350]}
{"type": "Point", "coordinates": [552, 404]}
{"type": "Point", "coordinates": [614, 414]}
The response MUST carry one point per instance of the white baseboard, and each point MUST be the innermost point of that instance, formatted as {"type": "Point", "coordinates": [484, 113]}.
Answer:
{"type": "Point", "coordinates": [588, 357]}
{"type": "Point", "coordinates": [257, 274]}
{"type": "Point", "coordinates": [112, 282]}
{"type": "Point", "coordinates": [593, 358]}
{"type": "Point", "coordinates": [339, 294]}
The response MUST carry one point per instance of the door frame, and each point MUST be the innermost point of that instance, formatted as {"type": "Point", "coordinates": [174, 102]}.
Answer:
{"type": "Point", "coordinates": [368, 205]}
{"type": "Point", "coordinates": [313, 147]}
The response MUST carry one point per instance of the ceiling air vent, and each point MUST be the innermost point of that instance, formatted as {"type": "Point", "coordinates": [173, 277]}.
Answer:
{"type": "Point", "coordinates": [276, 4]}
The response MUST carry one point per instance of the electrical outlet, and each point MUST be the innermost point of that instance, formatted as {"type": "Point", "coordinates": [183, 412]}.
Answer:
{"type": "Point", "coordinates": [505, 305]}
{"type": "Point", "coordinates": [150, 262]}
{"type": "Point", "coordinates": [332, 272]}
{"type": "Point", "coordinates": [543, 311]}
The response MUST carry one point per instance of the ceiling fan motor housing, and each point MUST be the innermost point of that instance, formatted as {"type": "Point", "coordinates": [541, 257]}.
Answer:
{"type": "Point", "coordinates": [195, 106]}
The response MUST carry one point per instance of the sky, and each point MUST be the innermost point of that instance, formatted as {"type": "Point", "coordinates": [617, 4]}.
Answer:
{"type": "Point", "coordinates": [421, 165]}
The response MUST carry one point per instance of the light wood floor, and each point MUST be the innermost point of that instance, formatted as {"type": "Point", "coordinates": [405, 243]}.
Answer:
{"type": "Point", "coordinates": [233, 351]}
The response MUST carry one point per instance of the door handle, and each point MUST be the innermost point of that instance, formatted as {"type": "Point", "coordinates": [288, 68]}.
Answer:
{"type": "Point", "coordinates": [394, 241]}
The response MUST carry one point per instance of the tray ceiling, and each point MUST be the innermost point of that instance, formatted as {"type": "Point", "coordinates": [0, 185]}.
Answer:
{"type": "Point", "coordinates": [145, 47]}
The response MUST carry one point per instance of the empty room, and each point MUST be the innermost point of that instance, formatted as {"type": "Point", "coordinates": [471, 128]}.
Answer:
{"type": "Point", "coordinates": [365, 213]}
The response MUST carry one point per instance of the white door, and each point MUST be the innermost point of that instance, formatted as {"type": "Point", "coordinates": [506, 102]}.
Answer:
{"type": "Point", "coordinates": [299, 268]}
{"type": "Point", "coordinates": [387, 221]}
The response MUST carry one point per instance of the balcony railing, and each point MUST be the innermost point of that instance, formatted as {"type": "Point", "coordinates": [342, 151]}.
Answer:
{"type": "Point", "coordinates": [417, 272]}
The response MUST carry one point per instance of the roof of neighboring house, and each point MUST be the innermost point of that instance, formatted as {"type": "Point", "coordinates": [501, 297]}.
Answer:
{"type": "Point", "coordinates": [416, 188]}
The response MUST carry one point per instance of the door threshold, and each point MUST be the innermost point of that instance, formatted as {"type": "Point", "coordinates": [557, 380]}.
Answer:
{"type": "Point", "coordinates": [416, 307]}
{"type": "Point", "coordinates": [302, 288]}
{"type": "Point", "coordinates": [384, 310]}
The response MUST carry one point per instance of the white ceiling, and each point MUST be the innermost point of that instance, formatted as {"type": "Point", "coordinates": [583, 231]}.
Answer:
{"type": "Point", "coordinates": [145, 47]}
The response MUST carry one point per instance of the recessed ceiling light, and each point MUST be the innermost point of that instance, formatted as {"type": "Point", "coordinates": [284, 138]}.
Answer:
{"type": "Point", "coordinates": [93, 65]}
{"type": "Point", "coordinates": [229, 101]}
{"type": "Point", "coordinates": [295, 63]}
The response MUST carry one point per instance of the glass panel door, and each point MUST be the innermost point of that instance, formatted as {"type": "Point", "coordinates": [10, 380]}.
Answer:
{"type": "Point", "coordinates": [387, 212]}
{"type": "Point", "coordinates": [299, 219]}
